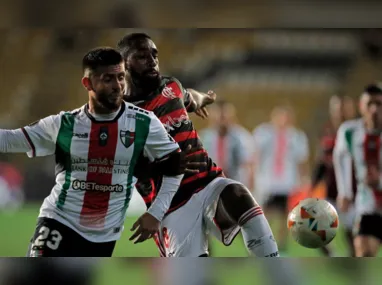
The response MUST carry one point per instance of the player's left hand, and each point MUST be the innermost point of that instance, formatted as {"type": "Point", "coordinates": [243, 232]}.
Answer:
{"type": "Point", "coordinates": [191, 163]}
{"type": "Point", "coordinates": [145, 228]}
{"type": "Point", "coordinates": [204, 101]}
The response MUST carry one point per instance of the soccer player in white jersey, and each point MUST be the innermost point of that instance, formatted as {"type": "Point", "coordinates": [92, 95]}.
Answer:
{"type": "Point", "coordinates": [96, 148]}
{"type": "Point", "coordinates": [280, 155]}
{"type": "Point", "coordinates": [228, 143]}
{"type": "Point", "coordinates": [359, 141]}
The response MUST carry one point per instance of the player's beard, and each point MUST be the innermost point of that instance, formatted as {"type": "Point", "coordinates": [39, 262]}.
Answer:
{"type": "Point", "coordinates": [145, 82]}
{"type": "Point", "coordinates": [110, 101]}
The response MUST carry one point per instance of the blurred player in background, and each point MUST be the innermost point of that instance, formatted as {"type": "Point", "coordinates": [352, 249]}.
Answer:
{"type": "Point", "coordinates": [207, 202]}
{"type": "Point", "coordinates": [96, 149]}
{"type": "Point", "coordinates": [359, 141]}
{"type": "Point", "coordinates": [280, 163]}
{"type": "Point", "coordinates": [340, 109]}
{"type": "Point", "coordinates": [11, 188]}
{"type": "Point", "coordinates": [228, 143]}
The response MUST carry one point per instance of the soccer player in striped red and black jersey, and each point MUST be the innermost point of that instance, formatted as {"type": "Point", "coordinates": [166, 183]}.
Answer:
{"type": "Point", "coordinates": [206, 201]}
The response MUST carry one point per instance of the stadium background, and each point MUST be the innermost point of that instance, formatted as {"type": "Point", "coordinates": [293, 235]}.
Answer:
{"type": "Point", "coordinates": [255, 69]}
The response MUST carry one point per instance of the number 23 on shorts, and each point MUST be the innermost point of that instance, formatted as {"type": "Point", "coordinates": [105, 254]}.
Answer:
{"type": "Point", "coordinates": [49, 238]}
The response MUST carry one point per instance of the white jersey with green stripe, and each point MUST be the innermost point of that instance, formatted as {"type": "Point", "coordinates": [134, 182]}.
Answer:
{"type": "Point", "coordinates": [94, 165]}
{"type": "Point", "coordinates": [357, 148]}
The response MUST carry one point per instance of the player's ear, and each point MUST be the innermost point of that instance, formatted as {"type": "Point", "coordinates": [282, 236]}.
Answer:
{"type": "Point", "coordinates": [86, 83]}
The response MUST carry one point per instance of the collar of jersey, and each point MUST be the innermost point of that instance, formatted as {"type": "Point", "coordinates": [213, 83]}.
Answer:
{"type": "Point", "coordinates": [123, 107]}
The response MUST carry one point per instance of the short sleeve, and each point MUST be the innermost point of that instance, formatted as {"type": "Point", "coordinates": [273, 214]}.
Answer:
{"type": "Point", "coordinates": [41, 136]}
{"type": "Point", "coordinates": [159, 143]}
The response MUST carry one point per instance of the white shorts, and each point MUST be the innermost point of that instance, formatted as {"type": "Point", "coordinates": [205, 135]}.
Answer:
{"type": "Point", "coordinates": [184, 232]}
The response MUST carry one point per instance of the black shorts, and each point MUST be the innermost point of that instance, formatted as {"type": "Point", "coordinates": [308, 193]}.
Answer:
{"type": "Point", "coordinates": [53, 239]}
{"type": "Point", "coordinates": [369, 225]}
{"type": "Point", "coordinates": [277, 201]}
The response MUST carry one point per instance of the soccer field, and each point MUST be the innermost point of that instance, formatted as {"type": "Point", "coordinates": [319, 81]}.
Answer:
{"type": "Point", "coordinates": [19, 228]}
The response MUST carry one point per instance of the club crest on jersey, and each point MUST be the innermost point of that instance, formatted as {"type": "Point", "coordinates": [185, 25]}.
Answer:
{"type": "Point", "coordinates": [127, 138]}
{"type": "Point", "coordinates": [168, 93]}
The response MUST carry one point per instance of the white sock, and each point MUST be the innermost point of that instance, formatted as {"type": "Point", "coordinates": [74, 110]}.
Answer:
{"type": "Point", "coordinates": [257, 234]}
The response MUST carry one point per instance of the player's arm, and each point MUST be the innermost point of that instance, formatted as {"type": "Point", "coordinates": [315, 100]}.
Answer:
{"type": "Point", "coordinates": [342, 163]}
{"type": "Point", "coordinates": [196, 101]}
{"type": "Point", "coordinates": [37, 139]}
{"type": "Point", "coordinates": [159, 146]}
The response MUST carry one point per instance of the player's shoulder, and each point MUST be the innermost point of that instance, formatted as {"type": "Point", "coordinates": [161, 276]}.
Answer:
{"type": "Point", "coordinates": [168, 79]}
{"type": "Point", "coordinates": [71, 113]}
{"type": "Point", "coordinates": [133, 109]}
{"type": "Point", "coordinates": [262, 128]}
{"type": "Point", "coordinates": [350, 125]}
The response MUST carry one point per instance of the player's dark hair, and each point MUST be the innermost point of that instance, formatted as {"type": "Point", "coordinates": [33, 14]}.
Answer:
{"type": "Point", "coordinates": [100, 57]}
{"type": "Point", "coordinates": [128, 42]}
{"type": "Point", "coordinates": [373, 89]}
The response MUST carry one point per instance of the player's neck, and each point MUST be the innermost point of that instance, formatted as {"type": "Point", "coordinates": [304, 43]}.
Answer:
{"type": "Point", "coordinates": [98, 109]}
{"type": "Point", "coordinates": [138, 87]}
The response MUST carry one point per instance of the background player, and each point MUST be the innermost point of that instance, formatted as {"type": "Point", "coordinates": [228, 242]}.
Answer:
{"type": "Point", "coordinates": [96, 148]}
{"type": "Point", "coordinates": [340, 110]}
{"type": "Point", "coordinates": [280, 163]}
{"type": "Point", "coordinates": [228, 143]}
{"type": "Point", "coordinates": [208, 199]}
{"type": "Point", "coordinates": [359, 141]}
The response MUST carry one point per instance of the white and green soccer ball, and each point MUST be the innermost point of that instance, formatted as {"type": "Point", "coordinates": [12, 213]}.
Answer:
{"type": "Point", "coordinates": [313, 223]}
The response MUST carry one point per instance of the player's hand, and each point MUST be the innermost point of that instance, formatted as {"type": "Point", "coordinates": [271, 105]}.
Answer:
{"type": "Point", "coordinates": [192, 158]}
{"type": "Point", "coordinates": [343, 204]}
{"type": "Point", "coordinates": [373, 176]}
{"type": "Point", "coordinates": [205, 100]}
{"type": "Point", "coordinates": [145, 228]}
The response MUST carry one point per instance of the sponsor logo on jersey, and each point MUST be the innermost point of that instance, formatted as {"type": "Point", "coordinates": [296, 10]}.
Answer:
{"type": "Point", "coordinates": [171, 123]}
{"type": "Point", "coordinates": [92, 186]}
{"type": "Point", "coordinates": [127, 138]}
{"type": "Point", "coordinates": [81, 136]}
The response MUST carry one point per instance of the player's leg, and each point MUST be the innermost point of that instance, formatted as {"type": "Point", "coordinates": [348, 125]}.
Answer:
{"type": "Point", "coordinates": [230, 207]}
{"type": "Point", "coordinates": [277, 212]}
{"type": "Point", "coordinates": [53, 239]}
{"type": "Point", "coordinates": [182, 232]}
{"type": "Point", "coordinates": [368, 235]}
{"type": "Point", "coordinates": [49, 239]}
{"type": "Point", "coordinates": [348, 222]}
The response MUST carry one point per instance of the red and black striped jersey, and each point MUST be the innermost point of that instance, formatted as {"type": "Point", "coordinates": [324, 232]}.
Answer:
{"type": "Point", "coordinates": [169, 103]}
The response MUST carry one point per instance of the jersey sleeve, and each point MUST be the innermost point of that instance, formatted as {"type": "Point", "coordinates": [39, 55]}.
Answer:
{"type": "Point", "coordinates": [342, 162]}
{"type": "Point", "coordinates": [159, 143]}
{"type": "Point", "coordinates": [187, 97]}
{"type": "Point", "coordinates": [41, 136]}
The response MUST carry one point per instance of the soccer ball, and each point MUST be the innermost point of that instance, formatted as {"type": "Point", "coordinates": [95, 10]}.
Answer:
{"type": "Point", "coordinates": [313, 223]}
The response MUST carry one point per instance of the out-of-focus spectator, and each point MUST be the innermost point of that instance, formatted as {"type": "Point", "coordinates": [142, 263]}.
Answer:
{"type": "Point", "coordinates": [11, 188]}
{"type": "Point", "coordinates": [280, 156]}
{"type": "Point", "coordinates": [228, 143]}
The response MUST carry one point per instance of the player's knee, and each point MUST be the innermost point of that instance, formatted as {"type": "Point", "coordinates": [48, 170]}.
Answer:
{"type": "Point", "coordinates": [237, 200]}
